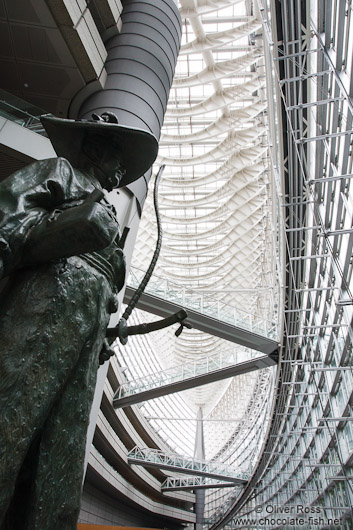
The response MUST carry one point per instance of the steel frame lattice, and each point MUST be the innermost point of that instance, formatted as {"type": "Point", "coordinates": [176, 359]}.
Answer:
{"type": "Point", "coordinates": [308, 455]}
{"type": "Point", "coordinates": [193, 466]}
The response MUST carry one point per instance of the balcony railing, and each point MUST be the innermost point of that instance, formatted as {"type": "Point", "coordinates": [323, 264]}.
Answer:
{"type": "Point", "coordinates": [21, 112]}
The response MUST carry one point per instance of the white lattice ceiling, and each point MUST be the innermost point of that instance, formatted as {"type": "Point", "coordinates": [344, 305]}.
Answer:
{"type": "Point", "coordinates": [215, 192]}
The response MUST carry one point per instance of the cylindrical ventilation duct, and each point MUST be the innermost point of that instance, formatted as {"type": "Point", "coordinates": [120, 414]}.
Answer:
{"type": "Point", "coordinates": [140, 65]}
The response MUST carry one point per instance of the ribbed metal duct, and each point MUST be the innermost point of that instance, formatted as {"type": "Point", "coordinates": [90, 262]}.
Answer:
{"type": "Point", "coordinates": [140, 65]}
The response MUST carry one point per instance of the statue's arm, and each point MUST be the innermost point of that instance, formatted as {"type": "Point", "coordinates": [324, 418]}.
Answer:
{"type": "Point", "coordinates": [28, 197]}
{"type": "Point", "coordinates": [50, 211]}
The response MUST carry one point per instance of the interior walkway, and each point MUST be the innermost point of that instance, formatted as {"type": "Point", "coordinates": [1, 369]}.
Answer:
{"type": "Point", "coordinates": [191, 466]}
{"type": "Point", "coordinates": [205, 313]}
{"type": "Point", "coordinates": [190, 375]}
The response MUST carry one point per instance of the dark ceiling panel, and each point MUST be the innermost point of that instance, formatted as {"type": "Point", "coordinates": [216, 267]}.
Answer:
{"type": "Point", "coordinates": [29, 11]}
{"type": "Point", "coordinates": [10, 80]}
{"type": "Point", "coordinates": [5, 40]}
{"type": "Point", "coordinates": [36, 62]}
{"type": "Point", "coordinates": [56, 106]}
{"type": "Point", "coordinates": [48, 80]}
{"type": "Point", "coordinates": [2, 9]}
{"type": "Point", "coordinates": [21, 10]}
{"type": "Point", "coordinates": [32, 43]}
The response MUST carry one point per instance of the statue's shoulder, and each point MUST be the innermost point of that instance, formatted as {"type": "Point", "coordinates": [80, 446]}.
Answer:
{"type": "Point", "coordinates": [37, 173]}
{"type": "Point", "coordinates": [48, 165]}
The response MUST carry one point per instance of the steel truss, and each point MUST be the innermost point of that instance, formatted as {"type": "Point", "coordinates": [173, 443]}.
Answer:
{"type": "Point", "coordinates": [193, 483]}
{"type": "Point", "coordinates": [155, 458]}
{"type": "Point", "coordinates": [190, 375]}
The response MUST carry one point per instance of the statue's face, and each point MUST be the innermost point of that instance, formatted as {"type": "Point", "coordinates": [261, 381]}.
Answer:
{"type": "Point", "coordinates": [103, 160]}
{"type": "Point", "coordinates": [110, 168]}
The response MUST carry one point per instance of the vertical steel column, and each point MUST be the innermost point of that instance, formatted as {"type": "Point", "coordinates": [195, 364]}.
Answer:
{"type": "Point", "coordinates": [199, 453]}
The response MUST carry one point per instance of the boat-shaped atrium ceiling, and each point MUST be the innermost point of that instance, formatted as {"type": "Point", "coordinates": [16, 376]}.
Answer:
{"type": "Point", "coordinates": [219, 218]}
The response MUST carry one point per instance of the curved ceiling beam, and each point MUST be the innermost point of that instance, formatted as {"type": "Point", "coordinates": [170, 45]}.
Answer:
{"type": "Point", "coordinates": [233, 185]}
{"type": "Point", "coordinates": [252, 172]}
{"type": "Point", "coordinates": [204, 7]}
{"type": "Point", "coordinates": [234, 169]}
{"type": "Point", "coordinates": [217, 40]}
{"type": "Point", "coordinates": [226, 272]}
{"type": "Point", "coordinates": [218, 100]}
{"type": "Point", "coordinates": [220, 126]}
{"type": "Point", "coordinates": [242, 141]}
{"type": "Point", "coordinates": [218, 71]}
{"type": "Point", "coordinates": [226, 242]}
{"type": "Point", "coordinates": [231, 206]}
{"type": "Point", "coordinates": [252, 249]}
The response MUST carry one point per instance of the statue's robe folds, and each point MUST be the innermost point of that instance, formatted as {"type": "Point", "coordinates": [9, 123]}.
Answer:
{"type": "Point", "coordinates": [53, 319]}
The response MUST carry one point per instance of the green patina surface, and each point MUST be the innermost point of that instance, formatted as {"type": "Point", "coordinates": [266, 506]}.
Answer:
{"type": "Point", "coordinates": [54, 312]}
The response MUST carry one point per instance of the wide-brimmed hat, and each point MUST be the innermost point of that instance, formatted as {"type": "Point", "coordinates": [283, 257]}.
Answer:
{"type": "Point", "coordinates": [137, 149]}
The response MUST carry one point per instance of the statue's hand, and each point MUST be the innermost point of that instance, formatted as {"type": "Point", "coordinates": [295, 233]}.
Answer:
{"type": "Point", "coordinates": [85, 228]}
{"type": "Point", "coordinates": [106, 352]}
